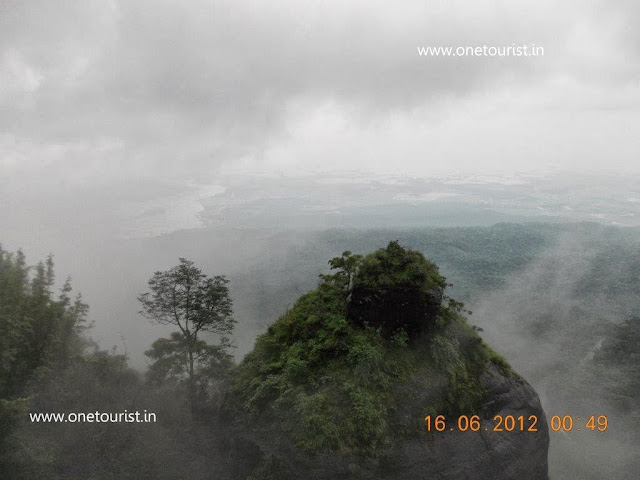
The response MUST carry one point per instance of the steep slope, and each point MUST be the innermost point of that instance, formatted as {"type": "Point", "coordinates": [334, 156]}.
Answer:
{"type": "Point", "coordinates": [350, 382]}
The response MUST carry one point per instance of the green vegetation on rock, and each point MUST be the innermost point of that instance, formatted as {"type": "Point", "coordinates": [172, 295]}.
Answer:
{"type": "Point", "coordinates": [359, 361]}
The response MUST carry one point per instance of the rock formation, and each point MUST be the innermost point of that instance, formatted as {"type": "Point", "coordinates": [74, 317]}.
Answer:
{"type": "Point", "coordinates": [329, 394]}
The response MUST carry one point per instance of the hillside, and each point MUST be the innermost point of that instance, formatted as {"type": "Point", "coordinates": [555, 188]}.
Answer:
{"type": "Point", "coordinates": [559, 302]}
{"type": "Point", "coordinates": [547, 296]}
{"type": "Point", "coordinates": [355, 366]}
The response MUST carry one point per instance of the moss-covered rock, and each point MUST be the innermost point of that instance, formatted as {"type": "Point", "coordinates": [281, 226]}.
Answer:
{"type": "Point", "coordinates": [396, 289]}
{"type": "Point", "coordinates": [353, 368]}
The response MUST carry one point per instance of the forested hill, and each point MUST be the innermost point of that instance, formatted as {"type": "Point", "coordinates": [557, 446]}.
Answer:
{"type": "Point", "coordinates": [547, 296]}
{"type": "Point", "coordinates": [48, 364]}
{"type": "Point", "coordinates": [560, 302]}
{"type": "Point", "coordinates": [356, 366]}
{"type": "Point", "coordinates": [598, 261]}
{"type": "Point", "coordinates": [351, 370]}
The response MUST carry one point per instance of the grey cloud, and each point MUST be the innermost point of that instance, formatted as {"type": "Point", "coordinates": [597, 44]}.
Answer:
{"type": "Point", "coordinates": [185, 86]}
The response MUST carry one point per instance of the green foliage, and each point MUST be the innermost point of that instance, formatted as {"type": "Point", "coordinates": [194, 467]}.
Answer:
{"type": "Point", "coordinates": [47, 365]}
{"type": "Point", "coordinates": [38, 333]}
{"type": "Point", "coordinates": [396, 288]}
{"type": "Point", "coordinates": [170, 356]}
{"type": "Point", "coordinates": [97, 381]}
{"type": "Point", "coordinates": [501, 363]}
{"type": "Point", "coordinates": [185, 297]}
{"type": "Point", "coordinates": [302, 373]}
{"type": "Point", "coordinates": [347, 267]}
{"type": "Point", "coordinates": [336, 383]}
{"type": "Point", "coordinates": [460, 353]}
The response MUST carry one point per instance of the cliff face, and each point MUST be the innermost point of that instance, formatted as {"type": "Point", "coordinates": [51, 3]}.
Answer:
{"type": "Point", "coordinates": [485, 454]}
{"type": "Point", "coordinates": [265, 454]}
{"type": "Point", "coordinates": [339, 386]}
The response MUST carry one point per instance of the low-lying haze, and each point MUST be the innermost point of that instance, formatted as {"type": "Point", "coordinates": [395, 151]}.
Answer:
{"type": "Point", "coordinates": [136, 132]}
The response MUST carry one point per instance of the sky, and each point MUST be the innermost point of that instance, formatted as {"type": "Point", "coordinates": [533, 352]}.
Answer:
{"type": "Point", "coordinates": [106, 104]}
{"type": "Point", "coordinates": [97, 93]}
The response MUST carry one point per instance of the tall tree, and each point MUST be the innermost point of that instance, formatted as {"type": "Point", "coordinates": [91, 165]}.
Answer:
{"type": "Point", "coordinates": [185, 297]}
{"type": "Point", "coordinates": [38, 335]}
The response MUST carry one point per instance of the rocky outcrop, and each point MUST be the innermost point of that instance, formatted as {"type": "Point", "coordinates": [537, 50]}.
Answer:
{"type": "Point", "coordinates": [266, 454]}
{"type": "Point", "coordinates": [351, 374]}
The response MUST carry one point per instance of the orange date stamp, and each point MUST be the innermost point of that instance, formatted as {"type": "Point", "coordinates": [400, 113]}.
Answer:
{"type": "Point", "coordinates": [515, 423]}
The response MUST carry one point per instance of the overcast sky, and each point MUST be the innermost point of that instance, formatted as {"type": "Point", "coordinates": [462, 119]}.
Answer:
{"type": "Point", "coordinates": [103, 101]}
{"type": "Point", "coordinates": [108, 105]}
{"type": "Point", "coordinates": [97, 91]}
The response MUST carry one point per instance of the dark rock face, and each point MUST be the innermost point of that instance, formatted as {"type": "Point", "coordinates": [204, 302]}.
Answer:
{"type": "Point", "coordinates": [485, 454]}
{"type": "Point", "coordinates": [395, 289]}
{"type": "Point", "coordinates": [393, 309]}
{"type": "Point", "coordinates": [447, 456]}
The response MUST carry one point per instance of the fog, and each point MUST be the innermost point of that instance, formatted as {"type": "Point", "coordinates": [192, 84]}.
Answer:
{"type": "Point", "coordinates": [548, 329]}
{"type": "Point", "coordinates": [236, 134]}
{"type": "Point", "coordinates": [98, 97]}
{"type": "Point", "coordinates": [541, 320]}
